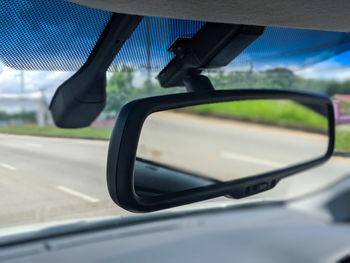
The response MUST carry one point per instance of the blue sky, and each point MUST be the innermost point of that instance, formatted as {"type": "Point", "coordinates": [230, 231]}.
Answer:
{"type": "Point", "coordinates": [343, 59]}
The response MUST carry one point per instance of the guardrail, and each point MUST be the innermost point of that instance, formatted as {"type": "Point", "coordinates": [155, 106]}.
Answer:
{"type": "Point", "coordinates": [338, 117]}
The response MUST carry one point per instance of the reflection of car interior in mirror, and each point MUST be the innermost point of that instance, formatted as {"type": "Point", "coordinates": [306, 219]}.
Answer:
{"type": "Point", "coordinates": [152, 179]}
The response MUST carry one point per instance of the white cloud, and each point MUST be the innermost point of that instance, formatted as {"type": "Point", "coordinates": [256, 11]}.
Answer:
{"type": "Point", "coordinates": [329, 70]}
{"type": "Point", "coordinates": [140, 76]}
{"type": "Point", "coordinates": [33, 80]}
{"type": "Point", "coordinates": [326, 70]}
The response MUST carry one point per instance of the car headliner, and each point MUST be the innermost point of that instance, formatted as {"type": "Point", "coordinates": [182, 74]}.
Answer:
{"type": "Point", "coordinates": [311, 14]}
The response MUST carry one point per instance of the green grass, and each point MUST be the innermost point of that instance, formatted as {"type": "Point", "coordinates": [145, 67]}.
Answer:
{"type": "Point", "coordinates": [342, 141]}
{"type": "Point", "coordinates": [283, 113]}
{"type": "Point", "coordinates": [344, 108]}
{"type": "Point", "coordinates": [52, 131]}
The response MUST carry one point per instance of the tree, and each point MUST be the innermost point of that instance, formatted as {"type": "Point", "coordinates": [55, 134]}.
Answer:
{"type": "Point", "coordinates": [280, 78]}
{"type": "Point", "coordinates": [120, 90]}
{"type": "Point", "coordinates": [338, 88]}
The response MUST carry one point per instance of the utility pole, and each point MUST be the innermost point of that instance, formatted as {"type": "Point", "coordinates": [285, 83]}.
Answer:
{"type": "Point", "coordinates": [148, 82]}
{"type": "Point", "coordinates": [22, 94]}
{"type": "Point", "coordinates": [251, 66]}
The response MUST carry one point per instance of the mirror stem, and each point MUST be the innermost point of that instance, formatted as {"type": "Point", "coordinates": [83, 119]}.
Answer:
{"type": "Point", "coordinates": [195, 82]}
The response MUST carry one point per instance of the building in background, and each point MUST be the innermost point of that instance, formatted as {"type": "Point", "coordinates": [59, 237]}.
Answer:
{"type": "Point", "coordinates": [341, 104]}
{"type": "Point", "coordinates": [27, 102]}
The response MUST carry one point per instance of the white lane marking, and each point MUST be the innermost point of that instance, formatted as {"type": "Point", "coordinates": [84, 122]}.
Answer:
{"type": "Point", "coordinates": [33, 144]}
{"type": "Point", "coordinates": [249, 159]}
{"type": "Point", "coordinates": [77, 194]}
{"type": "Point", "coordinates": [7, 166]}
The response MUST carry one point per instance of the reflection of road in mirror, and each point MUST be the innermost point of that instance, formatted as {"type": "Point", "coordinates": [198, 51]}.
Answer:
{"type": "Point", "coordinates": [224, 149]}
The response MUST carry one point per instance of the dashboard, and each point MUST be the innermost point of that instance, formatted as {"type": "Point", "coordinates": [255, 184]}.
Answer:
{"type": "Point", "coordinates": [308, 229]}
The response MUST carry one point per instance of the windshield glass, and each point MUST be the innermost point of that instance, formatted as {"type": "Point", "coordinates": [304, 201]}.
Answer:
{"type": "Point", "coordinates": [50, 174]}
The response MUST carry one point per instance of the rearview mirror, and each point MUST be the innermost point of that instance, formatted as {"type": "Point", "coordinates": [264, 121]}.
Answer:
{"type": "Point", "coordinates": [177, 149]}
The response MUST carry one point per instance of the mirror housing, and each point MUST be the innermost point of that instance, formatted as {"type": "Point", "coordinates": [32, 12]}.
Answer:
{"type": "Point", "coordinates": [126, 134]}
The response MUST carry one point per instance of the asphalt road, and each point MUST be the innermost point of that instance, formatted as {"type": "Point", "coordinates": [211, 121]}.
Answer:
{"type": "Point", "coordinates": [50, 179]}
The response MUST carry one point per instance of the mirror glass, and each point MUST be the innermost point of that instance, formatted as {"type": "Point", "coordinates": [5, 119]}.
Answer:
{"type": "Point", "coordinates": [199, 145]}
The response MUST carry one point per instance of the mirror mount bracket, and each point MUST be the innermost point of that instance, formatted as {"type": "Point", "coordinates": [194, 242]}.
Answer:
{"type": "Point", "coordinates": [81, 98]}
{"type": "Point", "coordinates": [214, 45]}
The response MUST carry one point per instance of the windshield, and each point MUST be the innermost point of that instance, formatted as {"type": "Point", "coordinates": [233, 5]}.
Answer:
{"type": "Point", "coordinates": [50, 174]}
